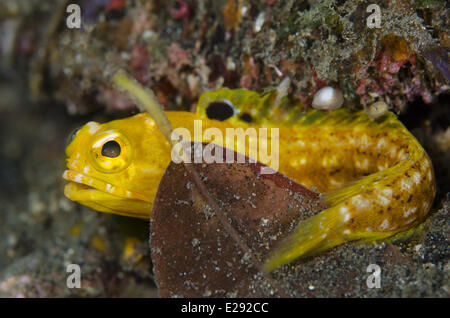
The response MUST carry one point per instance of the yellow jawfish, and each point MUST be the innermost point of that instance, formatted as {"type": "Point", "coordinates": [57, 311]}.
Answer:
{"type": "Point", "coordinates": [377, 179]}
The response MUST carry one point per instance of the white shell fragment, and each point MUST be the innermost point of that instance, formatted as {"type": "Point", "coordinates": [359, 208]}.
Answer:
{"type": "Point", "coordinates": [260, 19]}
{"type": "Point", "coordinates": [376, 110]}
{"type": "Point", "coordinates": [282, 90]}
{"type": "Point", "coordinates": [328, 98]}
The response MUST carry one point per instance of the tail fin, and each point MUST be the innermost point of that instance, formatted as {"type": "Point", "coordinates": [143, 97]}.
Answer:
{"type": "Point", "coordinates": [315, 234]}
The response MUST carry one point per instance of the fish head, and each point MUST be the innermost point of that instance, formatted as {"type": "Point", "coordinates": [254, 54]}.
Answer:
{"type": "Point", "coordinates": [116, 167]}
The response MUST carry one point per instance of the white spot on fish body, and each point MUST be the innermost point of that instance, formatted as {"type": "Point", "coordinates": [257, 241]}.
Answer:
{"type": "Point", "coordinates": [351, 140]}
{"type": "Point", "coordinates": [78, 178]}
{"type": "Point", "coordinates": [365, 163]}
{"type": "Point", "coordinates": [393, 152]}
{"type": "Point", "coordinates": [387, 192]}
{"type": "Point", "coordinates": [149, 122]}
{"type": "Point", "coordinates": [334, 182]}
{"type": "Point", "coordinates": [416, 177]}
{"type": "Point", "coordinates": [297, 161]}
{"type": "Point", "coordinates": [365, 142]}
{"type": "Point", "coordinates": [344, 213]}
{"type": "Point", "coordinates": [385, 224]}
{"type": "Point", "coordinates": [410, 221]}
{"type": "Point", "coordinates": [381, 143]}
{"type": "Point", "coordinates": [405, 185]}
{"type": "Point", "coordinates": [401, 155]}
{"type": "Point", "coordinates": [359, 202]}
{"type": "Point", "coordinates": [383, 167]}
{"type": "Point", "coordinates": [313, 145]}
{"type": "Point", "coordinates": [410, 211]}
{"type": "Point", "coordinates": [93, 127]}
{"type": "Point", "coordinates": [383, 196]}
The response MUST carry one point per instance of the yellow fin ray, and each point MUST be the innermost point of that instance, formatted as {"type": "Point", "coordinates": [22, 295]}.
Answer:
{"type": "Point", "coordinates": [310, 236]}
{"type": "Point", "coordinates": [355, 187]}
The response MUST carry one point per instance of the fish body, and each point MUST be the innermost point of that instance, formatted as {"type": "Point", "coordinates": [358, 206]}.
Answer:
{"type": "Point", "coordinates": [377, 179]}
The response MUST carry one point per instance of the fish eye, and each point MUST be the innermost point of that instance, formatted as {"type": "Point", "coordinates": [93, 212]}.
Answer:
{"type": "Point", "coordinates": [110, 151]}
{"type": "Point", "coordinates": [219, 110]}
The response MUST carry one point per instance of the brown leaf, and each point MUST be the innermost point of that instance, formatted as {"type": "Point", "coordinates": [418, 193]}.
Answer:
{"type": "Point", "coordinates": [192, 253]}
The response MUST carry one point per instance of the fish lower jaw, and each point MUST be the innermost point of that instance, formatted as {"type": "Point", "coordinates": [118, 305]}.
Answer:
{"type": "Point", "coordinates": [89, 183]}
{"type": "Point", "coordinates": [106, 202]}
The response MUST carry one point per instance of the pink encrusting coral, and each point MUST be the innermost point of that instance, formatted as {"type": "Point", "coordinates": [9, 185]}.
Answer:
{"type": "Point", "coordinates": [392, 73]}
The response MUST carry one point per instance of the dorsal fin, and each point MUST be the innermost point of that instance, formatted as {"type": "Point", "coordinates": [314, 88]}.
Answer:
{"type": "Point", "coordinates": [262, 111]}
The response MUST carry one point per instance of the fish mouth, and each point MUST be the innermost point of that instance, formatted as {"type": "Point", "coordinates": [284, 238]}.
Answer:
{"type": "Point", "coordinates": [82, 186]}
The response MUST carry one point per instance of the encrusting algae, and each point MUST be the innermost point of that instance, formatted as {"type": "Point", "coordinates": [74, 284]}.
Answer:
{"type": "Point", "coordinates": [377, 179]}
